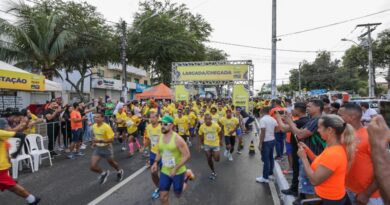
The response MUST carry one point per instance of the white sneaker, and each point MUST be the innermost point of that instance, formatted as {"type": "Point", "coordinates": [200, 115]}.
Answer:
{"type": "Point", "coordinates": [230, 157]}
{"type": "Point", "coordinates": [83, 146]}
{"type": "Point", "coordinates": [226, 153]}
{"type": "Point", "coordinates": [123, 148]}
{"type": "Point", "coordinates": [271, 177]}
{"type": "Point", "coordinates": [262, 180]}
{"type": "Point", "coordinates": [189, 143]}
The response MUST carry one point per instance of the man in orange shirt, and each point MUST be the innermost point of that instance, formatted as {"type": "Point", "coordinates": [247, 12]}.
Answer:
{"type": "Point", "coordinates": [76, 124]}
{"type": "Point", "coordinates": [360, 180]}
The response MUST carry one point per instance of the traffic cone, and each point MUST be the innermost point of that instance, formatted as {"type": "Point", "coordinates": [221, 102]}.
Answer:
{"type": "Point", "coordinates": [252, 148]}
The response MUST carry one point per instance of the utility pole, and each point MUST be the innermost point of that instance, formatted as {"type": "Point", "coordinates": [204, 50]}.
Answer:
{"type": "Point", "coordinates": [273, 58]}
{"type": "Point", "coordinates": [123, 61]}
{"type": "Point", "coordinates": [299, 80]}
{"type": "Point", "coordinates": [371, 78]}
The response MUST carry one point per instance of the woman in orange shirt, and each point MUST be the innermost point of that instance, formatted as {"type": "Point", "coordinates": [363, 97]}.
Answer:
{"type": "Point", "coordinates": [328, 170]}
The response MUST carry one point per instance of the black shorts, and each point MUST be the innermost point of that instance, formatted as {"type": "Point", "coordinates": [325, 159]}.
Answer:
{"type": "Point", "coordinates": [230, 140]}
{"type": "Point", "coordinates": [121, 130]}
{"type": "Point", "coordinates": [77, 135]}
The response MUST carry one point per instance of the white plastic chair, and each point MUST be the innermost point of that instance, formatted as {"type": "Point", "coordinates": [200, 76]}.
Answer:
{"type": "Point", "coordinates": [36, 151]}
{"type": "Point", "coordinates": [15, 162]}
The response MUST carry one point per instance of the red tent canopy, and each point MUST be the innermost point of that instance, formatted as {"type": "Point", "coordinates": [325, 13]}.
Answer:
{"type": "Point", "coordinates": [160, 91]}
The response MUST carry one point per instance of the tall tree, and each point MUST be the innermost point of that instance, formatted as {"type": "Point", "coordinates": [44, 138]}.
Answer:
{"type": "Point", "coordinates": [35, 39]}
{"type": "Point", "coordinates": [165, 32]}
{"type": "Point", "coordinates": [383, 54]}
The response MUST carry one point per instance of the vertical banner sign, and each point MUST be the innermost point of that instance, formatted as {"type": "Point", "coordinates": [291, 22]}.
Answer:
{"type": "Point", "coordinates": [181, 93]}
{"type": "Point", "coordinates": [240, 97]}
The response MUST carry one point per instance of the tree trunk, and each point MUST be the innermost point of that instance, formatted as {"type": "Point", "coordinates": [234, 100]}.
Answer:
{"type": "Point", "coordinates": [388, 83]}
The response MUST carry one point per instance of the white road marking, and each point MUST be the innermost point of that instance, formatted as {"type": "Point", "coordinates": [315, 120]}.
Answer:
{"type": "Point", "coordinates": [274, 193]}
{"type": "Point", "coordinates": [116, 187]}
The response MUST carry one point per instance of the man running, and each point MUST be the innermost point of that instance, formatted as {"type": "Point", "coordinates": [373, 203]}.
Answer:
{"type": "Point", "coordinates": [120, 118]}
{"type": "Point", "coordinates": [230, 125]}
{"type": "Point", "coordinates": [182, 124]}
{"type": "Point", "coordinates": [152, 135]}
{"type": "Point", "coordinates": [174, 152]}
{"type": "Point", "coordinates": [104, 136]}
{"type": "Point", "coordinates": [6, 182]}
{"type": "Point", "coordinates": [211, 139]}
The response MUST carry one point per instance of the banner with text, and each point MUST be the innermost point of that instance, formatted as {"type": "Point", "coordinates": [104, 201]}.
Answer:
{"type": "Point", "coordinates": [212, 72]}
{"type": "Point", "coordinates": [21, 81]}
{"type": "Point", "coordinates": [181, 93]}
{"type": "Point", "coordinates": [240, 97]}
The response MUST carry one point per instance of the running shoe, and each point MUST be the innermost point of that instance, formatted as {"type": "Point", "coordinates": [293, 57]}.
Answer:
{"type": "Point", "coordinates": [103, 177]}
{"type": "Point", "coordinates": [37, 200]}
{"type": "Point", "coordinates": [262, 180]}
{"type": "Point", "coordinates": [79, 154]}
{"type": "Point", "coordinates": [119, 175]}
{"type": "Point", "coordinates": [156, 194]}
{"type": "Point", "coordinates": [83, 146]}
{"type": "Point", "coordinates": [70, 156]}
{"type": "Point", "coordinates": [230, 157]}
{"type": "Point", "coordinates": [226, 153]}
{"type": "Point", "coordinates": [213, 176]}
{"type": "Point", "coordinates": [123, 148]}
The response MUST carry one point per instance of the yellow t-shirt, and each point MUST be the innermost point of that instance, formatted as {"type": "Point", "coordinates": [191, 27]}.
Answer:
{"type": "Point", "coordinates": [183, 125]}
{"type": "Point", "coordinates": [229, 125]}
{"type": "Point", "coordinates": [4, 162]}
{"type": "Point", "coordinates": [121, 116]}
{"type": "Point", "coordinates": [33, 129]}
{"type": "Point", "coordinates": [210, 133]}
{"type": "Point", "coordinates": [134, 124]}
{"type": "Point", "coordinates": [153, 134]}
{"type": "Point", "coordinates": [201, 119]}
{"type": "Point", "coordinates": [214, 118]}
{"type": "Point", "coordinates": [221, 113]}
{"type": "Point", "coordinates": [103, 132]}
{"type": "Point", "coordinates": [192, 118]}
{"type": "Point", "coordinates": [145, 110]}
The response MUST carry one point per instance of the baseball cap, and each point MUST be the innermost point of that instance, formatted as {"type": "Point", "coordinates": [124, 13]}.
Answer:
{"type": "Point", "coordinates": [167, 119]}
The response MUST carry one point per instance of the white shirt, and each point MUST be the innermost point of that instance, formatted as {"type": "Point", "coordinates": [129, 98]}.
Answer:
{"type": "Point", "coordinates": [269, 124]}
{"type": "Point", "coordinates": [367, 116]}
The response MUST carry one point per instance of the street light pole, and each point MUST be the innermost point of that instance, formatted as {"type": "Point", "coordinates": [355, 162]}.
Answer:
{"type": "Point", "coordinates": [273, 58]}
{"type": "Point", "coordinates": [371, 78]}
{"type": "Point", "coordinates": [299, 80]}
{"type": "Point", "coordinates": [123, 61]}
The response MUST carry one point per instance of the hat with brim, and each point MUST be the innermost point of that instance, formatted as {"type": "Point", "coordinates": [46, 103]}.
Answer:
{"type": "Point", "coordinates": [167, 119]}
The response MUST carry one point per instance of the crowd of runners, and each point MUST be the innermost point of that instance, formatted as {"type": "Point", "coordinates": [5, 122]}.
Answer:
{"type": "Point", "coordinates": [328, 150]}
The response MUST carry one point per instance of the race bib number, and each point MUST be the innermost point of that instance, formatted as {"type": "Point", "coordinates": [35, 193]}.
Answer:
{"type": "Point", "coordinates": [168, 160]}
{"type": "Point", "coordinates": [210, 137]}
{"type": "Point", "coordinates": [154, 140]}
{"type": "Point", "coordinates": [181, 130]}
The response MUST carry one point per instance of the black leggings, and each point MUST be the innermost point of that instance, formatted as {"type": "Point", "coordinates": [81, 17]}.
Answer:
{"type": "Point", "coordinates": [232, 141]}
{"type": "Point", "coordinates": [343, 201]}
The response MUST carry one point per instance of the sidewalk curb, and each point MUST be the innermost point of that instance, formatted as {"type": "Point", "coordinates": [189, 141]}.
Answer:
{"type": "Point", "coordinates": [282, 184]}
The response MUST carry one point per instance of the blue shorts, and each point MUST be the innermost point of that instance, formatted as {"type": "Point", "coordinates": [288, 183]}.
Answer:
{"type": "Point", "coordinates": [192, 131]}
{"type": "Point", "coordinates": [77, 135]}
{"type": "Point", "coordinates": [152, 158]}
{"type": "Point", "coordinates": [177, 181]}
{"type": "Point", "coordinates": [288, 148]}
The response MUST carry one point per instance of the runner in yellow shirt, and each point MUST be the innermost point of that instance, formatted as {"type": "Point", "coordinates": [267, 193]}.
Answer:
{"type": "Point", "coordinates": [192, 118]}
{"type": "Point", "coordinates": [221, 112]}
{"type": "Point", "coordinates": [182, 124]}
{"type": "Point", "coordinates": [132, 122]}
{"type": "Point", "coordinates": [6, 181]}
{"type": "Point", "coordinates": [211, 139]}
{"type": "Point", "coordinates": [230, 125]}
{"type": "Point", "coordinates": [102, 143]}
{"type": "Point", "coordinates": [152, 135]}
{"type": "Point", "coordinates": [120, 117]}
{"type": "Point", "coordinates": [214, 115]}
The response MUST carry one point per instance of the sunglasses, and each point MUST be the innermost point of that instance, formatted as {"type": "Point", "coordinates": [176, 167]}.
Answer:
{"type": "Point", "coordinates": [165, 124]}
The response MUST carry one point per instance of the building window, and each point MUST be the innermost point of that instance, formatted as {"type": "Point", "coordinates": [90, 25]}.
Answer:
{"type": "Point", "coordinates": [136, 80]}
{"type": "Point", "coordinates": [145, 82]}
{"type": "Point", "coordinates": [117, 77]}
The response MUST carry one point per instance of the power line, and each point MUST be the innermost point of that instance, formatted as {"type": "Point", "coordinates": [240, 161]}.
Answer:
{"type": "Point", "coordinates": [268, 49]}
{"type": "Point", "coordinates": [333, 24]}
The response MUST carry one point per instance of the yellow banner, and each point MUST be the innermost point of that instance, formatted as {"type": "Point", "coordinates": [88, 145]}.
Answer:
{"type": "Point", "coordinates": [212, 72]}
{"type": "Point", "coordinates": [21, 81]}
{"type": "Point", "coordinates": [181, 93]}
{"type": "Point", "coordinates": [240, 97]}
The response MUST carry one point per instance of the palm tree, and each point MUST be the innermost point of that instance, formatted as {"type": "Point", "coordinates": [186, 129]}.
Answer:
{"type": "Point", "coordinates": [36, 39]}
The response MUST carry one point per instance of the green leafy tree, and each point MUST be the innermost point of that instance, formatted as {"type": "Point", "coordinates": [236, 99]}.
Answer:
{"type": "Point", "coordinates": [35, 39]}
{"type": "Point", "coordinates": [165, 32]}
{"type": "Point", "coordinates": [383, 54]}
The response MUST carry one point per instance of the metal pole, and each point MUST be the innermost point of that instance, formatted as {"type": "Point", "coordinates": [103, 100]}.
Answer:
{"type": "Point", "coordinates": [123, 61]}
{"type": "Point", "coordinates": [299, 79]}
{"type": "Point", "coordinates": [273, 60]}
{"type": "Point", "coordinates": [371, 89]}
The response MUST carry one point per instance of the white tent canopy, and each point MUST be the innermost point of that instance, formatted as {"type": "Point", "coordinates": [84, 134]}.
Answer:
{"type": "Point", "coordinates": [49, 85]}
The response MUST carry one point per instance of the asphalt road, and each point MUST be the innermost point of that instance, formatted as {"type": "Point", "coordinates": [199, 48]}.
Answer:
{"type": "Point", "coordinates": [71, 182]}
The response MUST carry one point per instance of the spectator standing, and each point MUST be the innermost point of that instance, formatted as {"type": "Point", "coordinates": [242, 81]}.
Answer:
{"type": "Point", "coordinates": [368, 113]}
{"type": "Point", "coordinates": [76, 122]}
{"type": "Point", "coordinates": [52, 115]}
